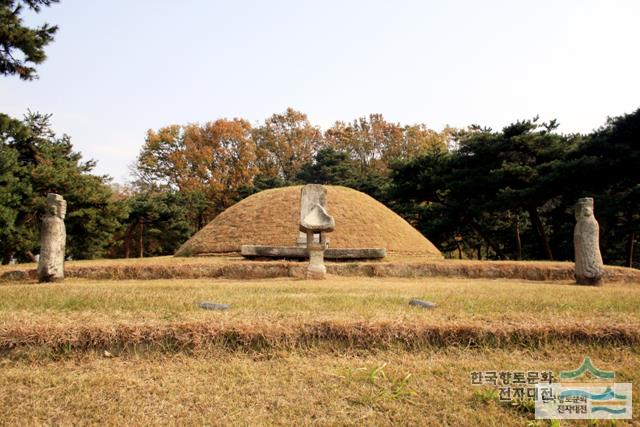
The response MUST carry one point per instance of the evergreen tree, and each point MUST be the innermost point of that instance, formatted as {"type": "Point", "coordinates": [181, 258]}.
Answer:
{"type": "Point", "coordinates": [328, 167]}
{"type": "Point", "coordinates": [607, 167]}
{"type": "Point", "coordinates": [488, 184]}
{"type": "Point", "coordinates": [332, 167]}
{"type": "Point", "coordinates": [157, 224]}
{"type": "Point", "coordinates": [22, 47]}
{"type": "Point", "coordinates": [34, 162]}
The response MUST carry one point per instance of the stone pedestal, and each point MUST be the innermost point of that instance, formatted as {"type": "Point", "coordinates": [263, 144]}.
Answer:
{"type": "Point", "coordinates": [53, 238]}
{"type": "Point", "coordinates": [316, 269]}
{"type": "Point", "coordinates": [589, 269]}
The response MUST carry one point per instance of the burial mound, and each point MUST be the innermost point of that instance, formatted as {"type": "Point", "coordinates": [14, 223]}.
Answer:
{"type": "Point", "coordinates": [272, 218]}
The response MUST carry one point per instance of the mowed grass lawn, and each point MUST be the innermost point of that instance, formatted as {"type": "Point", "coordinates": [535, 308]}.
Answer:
{"type": "Point", "coordinates": [342, 298]}
{"type": "Point", "coordinates": [311, 385]}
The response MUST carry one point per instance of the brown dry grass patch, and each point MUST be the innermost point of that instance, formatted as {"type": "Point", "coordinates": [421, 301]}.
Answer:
{"type": "Point", "coordinates": [385, 388]}
{"type": "Point", "coordinates": [332, 336]}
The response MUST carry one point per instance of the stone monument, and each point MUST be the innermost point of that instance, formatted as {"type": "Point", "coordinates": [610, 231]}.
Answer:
{"type": "Point", "coordinates": [53, 236]}
{"type": "Point", "coordinates": [315, 220]}
{"type": "Point", "coordinates": [589, 268]}
{"type": "Point", "coordinates": [311, 195]}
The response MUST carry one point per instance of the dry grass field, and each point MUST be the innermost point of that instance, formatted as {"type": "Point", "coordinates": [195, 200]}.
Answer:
{"type": "Point", "coordinates": [430, 387]}
{"type": "Point", "coordinates": [347, 351]}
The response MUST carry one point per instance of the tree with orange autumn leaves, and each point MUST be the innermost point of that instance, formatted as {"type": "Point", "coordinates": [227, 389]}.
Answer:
{"type": "Point", "coordinates": [210, 161]}
{"type": "Point", "coordinates": [285, 143]}
{"type": "Point", "coordinates": [216, 162]}
{"type": "Point", "coordinates": [374, 143]}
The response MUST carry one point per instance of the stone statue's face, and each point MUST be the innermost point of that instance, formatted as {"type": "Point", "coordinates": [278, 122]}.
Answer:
{"type": "Point", "coordinates": [584, 209]}
{"type": "Point", "coordinates": [59, 209]}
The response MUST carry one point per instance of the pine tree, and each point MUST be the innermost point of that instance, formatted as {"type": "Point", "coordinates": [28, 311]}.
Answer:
{"type": "Point", "coordinates": [22, 47]}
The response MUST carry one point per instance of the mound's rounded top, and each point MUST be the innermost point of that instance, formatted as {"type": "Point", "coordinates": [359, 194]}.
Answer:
{"type": "Point", "coordinates": [272, 218]}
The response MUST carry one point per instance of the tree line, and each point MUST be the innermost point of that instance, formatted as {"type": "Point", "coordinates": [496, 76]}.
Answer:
{"type": "Point", "coordinates": [510, 194]}
{"type": "Point", "coordinates": [475, 192]}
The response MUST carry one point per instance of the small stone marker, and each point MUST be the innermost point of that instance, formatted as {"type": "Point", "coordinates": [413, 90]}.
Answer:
{"type": "Point", "coordinates": [420, 303]}
{"type": "Point", "coordinates": [53, 236]}
{"type": "Point", "coordinates": [589, 268]}
{"type": "Point", "coordinates": [214, 306]}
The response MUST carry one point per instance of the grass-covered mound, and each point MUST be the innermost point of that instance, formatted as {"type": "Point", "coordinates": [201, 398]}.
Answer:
{"type": "Point", "coordinates": [272, 217]}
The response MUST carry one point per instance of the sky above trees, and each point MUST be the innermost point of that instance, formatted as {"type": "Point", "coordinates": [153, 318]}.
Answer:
{"type": "Point", "coordinates": [119, 68]}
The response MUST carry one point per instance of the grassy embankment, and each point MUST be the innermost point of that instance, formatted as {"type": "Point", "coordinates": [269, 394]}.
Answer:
{"type": "Point", "coordinates": [236, 267]}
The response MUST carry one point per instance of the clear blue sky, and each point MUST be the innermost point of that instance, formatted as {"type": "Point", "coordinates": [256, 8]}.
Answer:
{"type": "Point", "coordinates": [118, 68]}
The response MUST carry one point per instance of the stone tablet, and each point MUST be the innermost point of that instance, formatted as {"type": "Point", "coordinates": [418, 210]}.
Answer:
{"type": "Point", "coordinates": [53, 238]}
{"type": "Point", "coordinates": [310, 195]}
{"type": "Point", "coordinates": [589, 268]}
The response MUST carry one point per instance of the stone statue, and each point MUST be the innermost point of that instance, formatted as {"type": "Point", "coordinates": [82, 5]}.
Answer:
{"type": "Point", "coordinates": [53, 236]}
{"type": "Point", "coordinates": [586, 235]}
